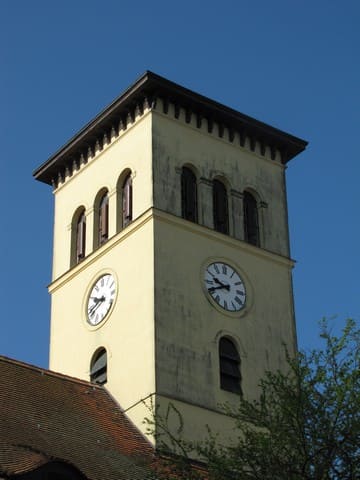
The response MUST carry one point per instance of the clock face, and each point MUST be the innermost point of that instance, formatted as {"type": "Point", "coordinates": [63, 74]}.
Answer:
{"type": "Point", "coordinates": [102, 296]}
{"type": "Point", "coordinates": [225, 286]}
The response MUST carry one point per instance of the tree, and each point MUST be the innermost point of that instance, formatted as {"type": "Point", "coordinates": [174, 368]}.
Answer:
{"type": "Point", "coordinates": [304, 426]}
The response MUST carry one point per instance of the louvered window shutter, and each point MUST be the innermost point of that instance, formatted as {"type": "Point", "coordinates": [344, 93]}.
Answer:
{"type": "Point", "coordinates": [251, 221]}
{"type": "Point", "coordinates": [127, 201]}
{"type": "Point", "coordinates": [81, 238]}
{"type": "Point", "coordinates": [229, 359]}
{"type": "Point", "coordinates": [188, 195]}
{"type": "Point", "coordinates": [103, 220]}
{"type": "Point", "coordinates": [98, 368]}
{"type": "Point", "coordinates": [221, 222]}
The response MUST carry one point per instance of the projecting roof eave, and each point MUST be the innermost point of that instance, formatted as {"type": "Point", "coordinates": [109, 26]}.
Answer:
{"type": "Point", "coordinates": [145, 91]}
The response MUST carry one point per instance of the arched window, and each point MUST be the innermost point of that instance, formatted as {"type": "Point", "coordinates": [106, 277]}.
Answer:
{"type": "Point", "coordinates": [80, 237]}
{"type": "Point", "coordinates": [103, 219]}
{"type": "Point", "coordinates": [98, 367]}
{"type": "Point", "coordinates": [188, 195]}
{"type": "Point", "coordinates": [126, 200]}
{"type": "Point", "coordinates": [229, 359]}
{"type": "Point", "coordinates": [251, 220]}
{"type": "Point", "coordinates": [220, 202]}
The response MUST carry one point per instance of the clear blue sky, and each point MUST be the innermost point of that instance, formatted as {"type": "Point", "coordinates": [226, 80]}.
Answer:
{"type": "Point", "coordinates": [293, 64]}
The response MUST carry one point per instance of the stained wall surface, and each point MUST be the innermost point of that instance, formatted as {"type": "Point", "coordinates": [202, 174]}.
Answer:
{"type": "Point", "coordinates": [163, 332]}
{"type": "Point", "coordinates": [188, 326]}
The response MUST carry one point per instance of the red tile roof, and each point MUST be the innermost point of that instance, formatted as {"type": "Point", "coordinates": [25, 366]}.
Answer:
{"type": "Point", "coordinates": [48, 416]}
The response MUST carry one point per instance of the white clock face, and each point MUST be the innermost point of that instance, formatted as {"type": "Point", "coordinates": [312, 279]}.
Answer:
{"type": "Point", "coordinates": [101, 298]}
{"type": "Point", "coordinates": [225, 286]}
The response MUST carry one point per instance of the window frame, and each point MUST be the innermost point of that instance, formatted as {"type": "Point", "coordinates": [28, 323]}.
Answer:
{"type": "Point", "coordinates": [126, 201]}
{"type": "Point", "coordinates": [103, 219]}
{"type": "Point", "coordinates": [80, 237]}
{"type": "Point", "coordinates": [189, 195]}
{"type": "Point", "coordinates": [229, 366]}
{"type": "Point", "coordinates": [220, 207]}
{"type": "Point", "coordinates": [251, 219]}
{"type": "Point", "coordinates": [98, 366]}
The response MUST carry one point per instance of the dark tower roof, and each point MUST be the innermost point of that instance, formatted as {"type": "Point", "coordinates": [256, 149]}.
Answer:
{"type": "Point", "coordinates": [144, 92]}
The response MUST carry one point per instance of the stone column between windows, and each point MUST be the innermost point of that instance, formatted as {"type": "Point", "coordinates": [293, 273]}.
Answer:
{"type": "Point", "coordinates": [237, 217]}
{"type": "Point", "coordinates": [205, 202]}
{"type": "Point", "coordinates": [112, 212]}
{"type": "Point", "coordinates": [89, 242]}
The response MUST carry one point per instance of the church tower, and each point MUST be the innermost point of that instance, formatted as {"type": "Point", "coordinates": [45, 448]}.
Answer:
{"type": "Point", "coordinates": [171, 267]}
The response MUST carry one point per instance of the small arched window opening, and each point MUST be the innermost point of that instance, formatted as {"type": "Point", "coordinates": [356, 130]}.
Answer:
{"type": "Point", "coordinates": [229, 359]}
{"type": "Point", "coordinates": [80, 237]}
{"type": "Point", "coordinates": [220, 201]}
{"type": "Point", "coordinates": [188, 195]}
{"type": "Point", "coordinates": [251, 219]}
{"type": "Point", "coordinates": [98, 367]}
{"type": "Point", "coordinates": [126, 200]}
{"type": "Point", "coordinates": [103, 223]}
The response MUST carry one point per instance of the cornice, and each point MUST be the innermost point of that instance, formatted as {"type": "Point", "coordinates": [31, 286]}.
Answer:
{"type": "Point", "coordinates": [142, 96]}
{"type": "Point", "coordinates": [101, 251]}
{"type": "Point", "coordinates": [222, 238]}
{"type": "Point", "coordinates": [156, 214]}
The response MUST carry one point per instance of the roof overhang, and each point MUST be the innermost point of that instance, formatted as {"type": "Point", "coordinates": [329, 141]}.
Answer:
{"type": "Point", "coordinates": [146, 90]}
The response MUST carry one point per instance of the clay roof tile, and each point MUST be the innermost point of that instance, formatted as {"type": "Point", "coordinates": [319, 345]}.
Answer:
{"type": "Point", "coordinates": [46, 415]}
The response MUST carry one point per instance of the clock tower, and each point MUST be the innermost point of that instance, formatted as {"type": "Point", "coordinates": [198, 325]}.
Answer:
{"type": "Point", "coordinates": [171, 267]}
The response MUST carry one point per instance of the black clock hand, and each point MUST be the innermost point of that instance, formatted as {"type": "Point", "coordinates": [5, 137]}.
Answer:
{"type": "Point", "coordinates": [97, 301]}
{"type": "Point", "coordinates": [220, 283]}
{"type": "Point", "coordinates": [212, 289]}
{"type": "Point", "coordinates": [93, 308]}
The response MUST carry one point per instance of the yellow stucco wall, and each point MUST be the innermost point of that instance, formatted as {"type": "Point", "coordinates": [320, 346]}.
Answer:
{"type": "Point", "coordinates": [188, 326]}
{"type": "Point", "coordinates": [128, 332]}
{"type": "Point", "coordinates": [162, 333]}
{"type": "Point", "coordinates": [176, 144]}
{"type": "Point", "coordinates": [130, 151]}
